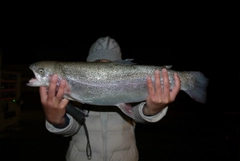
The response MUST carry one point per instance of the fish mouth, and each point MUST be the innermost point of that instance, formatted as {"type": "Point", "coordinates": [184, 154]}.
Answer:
{"type": "Point", "coordinates": [34, 82]}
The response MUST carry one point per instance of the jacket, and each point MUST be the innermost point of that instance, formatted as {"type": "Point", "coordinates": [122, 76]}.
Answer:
{"type": "Point", "coordinates": [111, 134]}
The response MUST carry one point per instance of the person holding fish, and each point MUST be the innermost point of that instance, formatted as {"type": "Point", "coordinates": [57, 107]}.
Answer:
{"type": "Point", "coordinates": [111, 132]}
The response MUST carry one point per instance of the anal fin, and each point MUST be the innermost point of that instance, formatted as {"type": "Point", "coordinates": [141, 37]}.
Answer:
{"type": "Point", "coordinates": [126, 109]}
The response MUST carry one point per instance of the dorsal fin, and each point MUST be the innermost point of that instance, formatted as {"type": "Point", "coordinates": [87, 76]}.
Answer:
{"type": "Point", "coordinates": [168, 66]}
{"type": "Point", "coordinates": [125, 62]}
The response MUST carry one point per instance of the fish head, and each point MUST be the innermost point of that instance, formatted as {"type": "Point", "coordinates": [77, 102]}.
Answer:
{"type": "Point", "coordinates": [43, 71]}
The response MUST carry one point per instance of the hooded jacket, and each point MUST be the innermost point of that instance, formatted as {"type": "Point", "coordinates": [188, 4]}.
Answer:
{"type": "Point", "coordinates": [111, 134]}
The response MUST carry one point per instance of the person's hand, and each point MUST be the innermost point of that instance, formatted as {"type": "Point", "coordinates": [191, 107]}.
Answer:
{"type": "Point", "coordinates": [54, 105]}
{"type": "Point", "coordinates": [159, 98]}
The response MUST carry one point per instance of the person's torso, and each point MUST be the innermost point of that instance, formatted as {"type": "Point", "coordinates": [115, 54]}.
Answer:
{"type": "Point", "coordinates": [111, 136]}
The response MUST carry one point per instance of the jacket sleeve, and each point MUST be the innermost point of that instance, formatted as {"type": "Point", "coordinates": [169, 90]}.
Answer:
{"type": "Point", "coordinates": [141, 118]}
{"type": "Point", "coordinates": [69, 130]}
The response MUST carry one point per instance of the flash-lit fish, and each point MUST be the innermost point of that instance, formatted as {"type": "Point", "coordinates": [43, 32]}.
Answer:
{"type": "Point", "coordinates": [112, 84]}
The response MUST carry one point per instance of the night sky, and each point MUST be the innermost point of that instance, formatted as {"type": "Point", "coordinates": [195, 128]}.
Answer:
{"type": "Point", "coordinates": [66, 33]}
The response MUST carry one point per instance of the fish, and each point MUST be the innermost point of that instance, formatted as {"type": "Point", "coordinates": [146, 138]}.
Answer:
{"type": "Point", "coordinates": [116, 83]}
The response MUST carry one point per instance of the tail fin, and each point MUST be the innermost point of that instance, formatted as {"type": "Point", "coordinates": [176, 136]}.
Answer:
{"type": "Point", "coordinates": [199, 91]}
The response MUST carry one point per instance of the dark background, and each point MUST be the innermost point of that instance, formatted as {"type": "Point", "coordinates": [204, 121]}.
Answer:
{"type": "Point", "coordinates": [154, 34]}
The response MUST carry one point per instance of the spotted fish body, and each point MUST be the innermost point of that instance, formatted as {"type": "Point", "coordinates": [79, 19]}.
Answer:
{"type": "Point", "coordinates": [112, 84]}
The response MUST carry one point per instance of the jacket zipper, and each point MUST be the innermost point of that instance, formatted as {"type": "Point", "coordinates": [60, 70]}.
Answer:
{"type": "Point", "coordinates": [104, 121]}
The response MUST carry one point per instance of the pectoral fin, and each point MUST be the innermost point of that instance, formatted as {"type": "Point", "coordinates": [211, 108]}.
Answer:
{"type": "Point", "coordinates": [126, 109]}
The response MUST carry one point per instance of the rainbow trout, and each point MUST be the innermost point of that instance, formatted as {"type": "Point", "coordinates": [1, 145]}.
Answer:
{"type": "Point", "coordinates": [112, 83]}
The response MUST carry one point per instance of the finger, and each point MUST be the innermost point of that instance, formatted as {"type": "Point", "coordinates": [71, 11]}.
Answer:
{"type": "Point", "coordinates": [176, 88]}
{"type": "Point", "coordinates": [61, 90]}
{"type": "Point", "coordinates": [43, 93]}
{"type": "Point", "coordinates": [166, 86]}
{"type": "Point", "coordinates": [158, 84]}
{"type": "Point", "coordinates": [63, 103]}
{"type": "Point", "coordinates": [52, 87]}
{"type": "Point", "coordinates": [150, 86]}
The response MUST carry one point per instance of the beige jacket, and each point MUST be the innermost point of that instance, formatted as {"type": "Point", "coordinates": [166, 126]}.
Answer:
{"type": "Point", "coordinates": [111, 134]}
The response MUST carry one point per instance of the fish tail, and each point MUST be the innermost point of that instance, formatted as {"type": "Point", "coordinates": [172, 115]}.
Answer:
{"type": "Point", "coordinates": [198, 90]}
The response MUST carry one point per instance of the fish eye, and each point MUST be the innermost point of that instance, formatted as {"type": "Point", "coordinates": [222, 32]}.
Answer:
{"type": "Point", "coordinates": [41, 71]}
